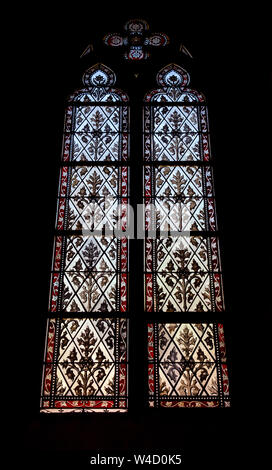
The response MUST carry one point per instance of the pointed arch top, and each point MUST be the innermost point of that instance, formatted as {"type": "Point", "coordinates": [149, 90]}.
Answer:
{"type": "Point", "coordinates": [173, 80]}
{"type": "Point", "coordinates": [98, 80]}
{"type": "Point", "coordinates": [173, 76]}
{"type": "Point", "coordinates": [99, 75]}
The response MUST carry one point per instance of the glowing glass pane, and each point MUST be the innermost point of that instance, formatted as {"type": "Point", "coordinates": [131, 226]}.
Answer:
{"type": "Point", "coordinates": [85, 365]}
{"type": "Point", "coordinates": [91, 198]}
{"type": "Point", "coordinates": [176, 133]}
{"type": "Point", "coordinates": [85, 362]}
{"type": "Point", "coordinates": [89, 274]}
{"type": "Point", "coordinates": [187, 275]}
{"type": "Point", "coordinates": [187, 365]}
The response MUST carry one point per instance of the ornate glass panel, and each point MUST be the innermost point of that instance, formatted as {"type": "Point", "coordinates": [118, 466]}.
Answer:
{"type": "Point", "coordinates": [179, 200]}
{"type": "Point", "coordinates": [85, 363]}
{"type": "Point", "coordinates": [182, 259]}
{"type": "Point", "coordinates": [187, 365]}
{"type": "Point", "coordinates": [91, 197]}
{"type": "Point", "coordinates": [136, 40]}
{"type": "Point", "coordinates": [183, 274]}
{"type": "Point", "coordinates": [90, 274]}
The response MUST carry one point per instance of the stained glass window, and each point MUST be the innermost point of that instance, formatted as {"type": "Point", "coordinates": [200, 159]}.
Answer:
{"type": "Point", "coordinates": [86, 354]}
{"type": "Point", "coordinates": [86, 361]}
{"type": "Point", "coordinates": [182, 262]}
{"type": "Point", "coordinates": [136, 40]}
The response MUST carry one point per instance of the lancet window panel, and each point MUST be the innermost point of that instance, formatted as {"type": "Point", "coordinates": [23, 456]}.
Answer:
{"type": "Point", "coordinates": [85, 361]}
{"type": "Point", "coordinates": [86, 365]}
{"type": "Point", "coordinates": [186, 360]}
{"type": "Point", "coordinates": [187, 365]}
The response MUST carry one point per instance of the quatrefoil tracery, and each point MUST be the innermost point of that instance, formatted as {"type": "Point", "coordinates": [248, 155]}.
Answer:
{"type": "Point", "coordinates": [136, 40]}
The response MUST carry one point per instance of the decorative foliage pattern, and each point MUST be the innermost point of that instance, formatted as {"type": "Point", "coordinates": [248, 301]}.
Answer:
{"type": "Point", "coordinates": [93, 198]}
{"type": "Point", "coordinates": [182, 269]}
{"type": "Point", "coordinates": [184, 274]}
{"type": "Point", "coordinates": [93, 274]}
{"type": "Point", "coordinates": [85, 362]}
{"type": "Point", "coordinates": [96, 133]}
{"type": "Point", "coordinates": [173, 76]}
{"type": "Point", "coordinates": [98, 76]}
{"type": "Point", "coordinates": [173, 133]}
{"type": "Point", "coordinates": [186, 365]}
{"type": "Point", "coordinates": [180, 199]}
{"type": "Point", "coordinates": [89, 367]}
{"type": "Point", "coordinates": [186, 361]}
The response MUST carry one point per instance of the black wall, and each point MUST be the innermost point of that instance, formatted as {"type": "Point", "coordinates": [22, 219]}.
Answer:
{"type": "Point", "coordinates": [227, 68]}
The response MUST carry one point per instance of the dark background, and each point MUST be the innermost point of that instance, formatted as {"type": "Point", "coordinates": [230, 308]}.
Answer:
{"type": "Point", "coordinates": [229, 67]}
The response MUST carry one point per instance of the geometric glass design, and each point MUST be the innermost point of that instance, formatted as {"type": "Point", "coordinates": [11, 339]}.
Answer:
{"type": "Point", "coordinates": [186, 275]}
{"type": "Point", "coordinates": [91, 276]}
{"type": "Point", "coordinates": [85, 365]}
{"type": "Point", "coordinates": [187, 365]}
{"type": "Point", "coordinates": [85, 361]}
{"type": "Point", "coordinates": [182, 268]}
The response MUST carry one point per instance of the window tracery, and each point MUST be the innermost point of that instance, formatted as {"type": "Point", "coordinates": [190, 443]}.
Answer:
{"type": "Point", "coordinates": [137, 40]}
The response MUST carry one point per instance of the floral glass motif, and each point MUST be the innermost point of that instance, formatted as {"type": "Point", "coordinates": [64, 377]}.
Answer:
{"type": "Point", "coordinates": [182, 271]}
{"type": "Point", "coordinates": [85, 363]}
{"type": "Point", "coordinates": [187, 365]}
{"type": "Point", "coordinates": [136, 40]}
{"type": "Point", "coordinates": [187, 274]}
{"type": "Point", "coordinates": [182, 262]}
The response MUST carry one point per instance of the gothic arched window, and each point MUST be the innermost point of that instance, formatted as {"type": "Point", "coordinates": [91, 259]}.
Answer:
{"type": "Point", "coordinates": [85, 364]}
{"type": "Point", "coordinates": [177, 304]}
